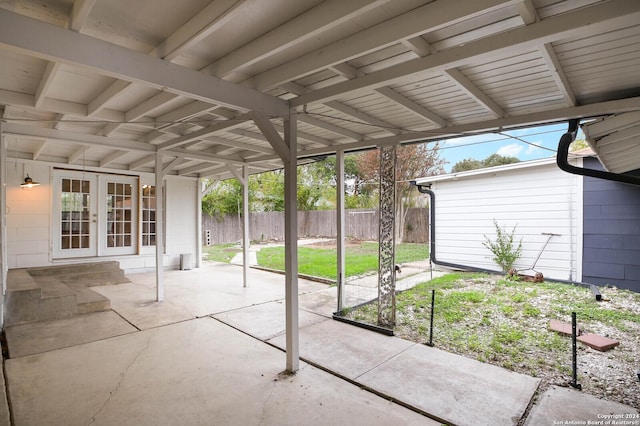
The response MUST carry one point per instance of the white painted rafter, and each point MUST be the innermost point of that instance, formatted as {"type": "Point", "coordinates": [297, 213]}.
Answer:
{"type": "Point", "coordinates": [303, 27]}
{"type": "Point", "coordinates": [54, 43]}
{"type": "Point", "coordinates": [581, 22]}
{"type": "Point", "coordinates": [412, 106]}
{"type": "Point", "coordinates": [204, 132]}
{"type": "Point", "coordinates": [78, 154]}
{"type": "Point", "coordinates": [461, 80]}
{"type": "Point", "coordinates": [112, 158]}
{"type": "Point", "coordinates": [419, 46]}
{"type": "Point", "coordinates": [308, 119]}
{"type": "Point", "coordinates": [418, 21]}
{"type": "Point", "coordinates": [527, 11]}
{"type": "Point", "coordinates": [142, 162]}
{"type": "Point", "coordinates": [557, 73]}
{"type": "Point", "coordinates": [46, 82]}
{"type": "Point", "coordinates": [272, 136]}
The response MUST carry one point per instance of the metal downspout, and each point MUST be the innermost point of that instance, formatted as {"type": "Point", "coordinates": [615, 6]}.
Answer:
{"type": "Point", "coordinates": [562, 159]}
{"type": "Point", "coordinates": [432, 234]}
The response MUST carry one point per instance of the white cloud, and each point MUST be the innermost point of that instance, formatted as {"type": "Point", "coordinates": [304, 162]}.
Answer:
{"type": "Point", "coordinates": [511, 150]}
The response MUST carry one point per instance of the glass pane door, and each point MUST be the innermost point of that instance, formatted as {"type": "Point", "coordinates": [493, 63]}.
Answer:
{"type": "Point", "coordinates": [121, 206]}
{"type": "Point", "coordinates": [76, 215]}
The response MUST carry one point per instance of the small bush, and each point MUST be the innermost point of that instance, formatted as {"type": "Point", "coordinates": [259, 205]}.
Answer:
{"type": "Point", "coordinates": [504, 250]}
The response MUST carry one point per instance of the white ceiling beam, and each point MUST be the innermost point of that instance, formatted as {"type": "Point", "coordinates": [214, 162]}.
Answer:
{"type": "Point", "coordinates": [45, 41]}
{"type": "Point", "coordinates": [305, 26]}
{"type": "Point", "coordinates": [240, 145]}
{"type": "Point", "coordinates": [551, 59]}
{"type": "Point", "coordinates": [298, 89]}
{"type": "Point", "coordinates": [184, 112]}
{"type": "Point", "coordinates": [307, 136]}
{"type": "Point", "coordinates": [272, 135]}
{"type": "Point", "coordinates": [149, 105]}
{"type": "Point", "coordinates": [81, 138]}
{"type": "Point", "coordinates": [140, 110]}
{"type": "Point", "coordinates": [499, 124]}
{"type": "Point", "coordinates": [306, 118]}
{"type": "Point", "coordinates": [205, 156]}
{"type": "Point", "coordinates": [345, 70]}
{"type": "Point", "coordinates": [467, 86]}
{"type": "Point", "coordinates": [412, 106]}
{"type": "Point", "coordinates": [59, 121]}
{"type": "Point", "coordinates": [198, 168]}
{"type": "Point", "coordinates": [419, 46]}
{"type": "Point", "coordinates": [237, 173]}
{"type": "Point", "coordinates": [202, 25]}
{"type": "Point", "coordinates": [45, 82]}
{"type": "Point", "coordinates": [418, 21]}
{"type": "Point", "coordinates": [527, 11]}
{"type": "Point", "coordinates": [364, 117]}
{"type": "Point", "coordinates": [40, 149]}
{"type": "Point", "coordinates": [77, 154]}
{"type": "Point", "coordinates": [584, 21]}
{"type": "Point", "coordinates": [172, 164]}
{"type": "Point", "coordinates": [112, 158]}
{"type": "Point", "coordinates": [142, 162]}
{"type": "Point", "coordinates": [80, 13]}
{"type": "Point", "coordinates": [109, 93]}
{"type": "Point", "coordinates": [206, 131]}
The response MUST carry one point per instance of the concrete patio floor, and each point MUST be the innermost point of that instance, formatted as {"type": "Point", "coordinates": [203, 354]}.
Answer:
{"type": "Point", "coordinates": [211, 354]}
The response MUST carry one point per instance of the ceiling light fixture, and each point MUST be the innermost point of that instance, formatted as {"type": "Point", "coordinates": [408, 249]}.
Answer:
{"type": "Point", "coordinates": [29, 183]}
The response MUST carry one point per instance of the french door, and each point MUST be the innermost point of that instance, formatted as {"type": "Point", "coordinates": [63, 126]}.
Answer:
{"type": "Point", "coordinates": [94, 214]}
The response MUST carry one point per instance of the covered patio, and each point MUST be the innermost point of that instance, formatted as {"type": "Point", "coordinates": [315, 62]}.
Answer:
{"type": "Point", "coordinates": [125, 107]}
{"type": "Point", "coordinates": [211, 354]}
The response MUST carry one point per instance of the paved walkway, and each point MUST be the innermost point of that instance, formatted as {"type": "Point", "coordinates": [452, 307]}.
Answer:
{"type": "Point", "coordinates": [210, 354]}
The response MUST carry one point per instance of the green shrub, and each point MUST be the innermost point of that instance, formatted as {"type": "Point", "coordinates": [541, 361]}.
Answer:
{"type": "Point", "coordinates": [505, 251]}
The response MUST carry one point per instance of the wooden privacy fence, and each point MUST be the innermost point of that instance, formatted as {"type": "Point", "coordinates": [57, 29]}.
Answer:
{"type": "Point", "coordinates": [360, 223]}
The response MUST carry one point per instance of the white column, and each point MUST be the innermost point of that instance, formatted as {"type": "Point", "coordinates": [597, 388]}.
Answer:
{"type": "Point", "coordinates": [199, 223]}
{"type": "Point", "coordinates": [245, 225]}
{"type": "Point", "coordinates": [159, 229]}
{"type": "Point", "coordinates": [3, 220]}
{"type": "Point", "coordinates": [340, 222]}
{"type": "Point", "coordinates": [291, 244]}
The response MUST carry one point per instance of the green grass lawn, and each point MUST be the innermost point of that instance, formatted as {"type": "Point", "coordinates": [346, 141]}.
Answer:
{"type": "Point", "coordinates": [221, 252]}
{"type": "Point", "coordinates": [506, 322]}
{"type": "Point", "coordinates": [321, 262]}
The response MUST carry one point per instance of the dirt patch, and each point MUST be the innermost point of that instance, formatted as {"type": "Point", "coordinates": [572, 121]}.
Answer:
{"type": "Point", "coordinates": [507, 324]}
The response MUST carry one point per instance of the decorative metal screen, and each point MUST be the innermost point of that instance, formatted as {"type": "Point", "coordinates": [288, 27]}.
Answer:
{"type": "Point", "coordinates": [386, 276]}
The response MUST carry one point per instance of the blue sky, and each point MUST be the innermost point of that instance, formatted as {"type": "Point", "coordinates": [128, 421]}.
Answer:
{"type": "Point", "coordinates": [511, 143]}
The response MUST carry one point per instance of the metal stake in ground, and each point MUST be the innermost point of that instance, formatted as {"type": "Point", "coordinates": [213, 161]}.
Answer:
{"type": "Point", "coordinates": [433, 299]}
{"type": "Point", "coordinates": [574, 348]}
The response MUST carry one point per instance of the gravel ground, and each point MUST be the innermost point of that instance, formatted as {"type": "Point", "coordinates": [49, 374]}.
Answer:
{"type": "Point", "coordinates": [507, 324]}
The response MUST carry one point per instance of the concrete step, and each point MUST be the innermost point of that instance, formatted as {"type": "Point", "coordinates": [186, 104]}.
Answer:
{"type": "Point", "coordinates": [24, 306]}
{"type": "Point", "coordinates": [58, 292]}
{"type": "Point", "coordinates": [89, 301]}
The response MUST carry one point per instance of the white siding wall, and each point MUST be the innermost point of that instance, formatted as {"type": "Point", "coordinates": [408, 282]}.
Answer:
{"type": "Point", "coordinates": [28, 216]}
{"type": "Point", "coordinates": [182, 215]}
{"type": "Point", "coordinates": [29, 221]}
{"type": "Point", "coordinates": [540, 199]}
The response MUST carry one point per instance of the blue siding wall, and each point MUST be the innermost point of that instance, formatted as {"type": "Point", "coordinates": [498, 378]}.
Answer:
{"type": "Point", "coordinates": [611, 245]}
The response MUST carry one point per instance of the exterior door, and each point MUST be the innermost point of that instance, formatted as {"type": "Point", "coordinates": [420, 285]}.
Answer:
{"type": "Point", "coordinates": [94, 214]}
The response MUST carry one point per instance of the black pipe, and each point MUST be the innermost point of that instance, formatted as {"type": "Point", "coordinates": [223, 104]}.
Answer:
{"type": "Point", "coordinates": [562, 159]}
{"type": "Point", "coordinates": [432, 237]}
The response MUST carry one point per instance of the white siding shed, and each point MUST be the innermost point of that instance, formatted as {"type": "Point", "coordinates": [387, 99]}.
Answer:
{"type": "Point", "coordinates": [535, 197]}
